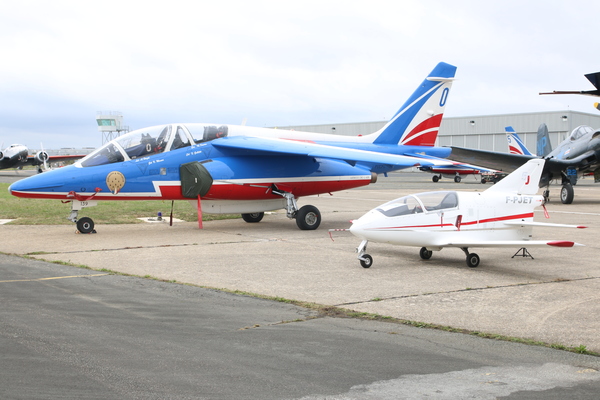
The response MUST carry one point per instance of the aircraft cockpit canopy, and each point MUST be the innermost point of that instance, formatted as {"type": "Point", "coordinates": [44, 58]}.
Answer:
{"type": "Point", "coordinates": [580, 131]}
{"type": "Point", "coordinates": [154, 140]}
{"type": "Point", "coordinates": [419, 203]}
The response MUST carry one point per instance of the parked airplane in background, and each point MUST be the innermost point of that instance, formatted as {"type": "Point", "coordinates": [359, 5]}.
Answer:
{"type": "Point", "coordinates": [579, 154]}
{"type": "Point", "coordinates": [515, 144]}
{"type": "Point", "coordinates": [17, 156]}
{"type": "Point", "coordinates": [501, 216]}
{"type": "Point", "coordinates": [456, 171]}
{"type": "Point", "coordinates": [240, 169]}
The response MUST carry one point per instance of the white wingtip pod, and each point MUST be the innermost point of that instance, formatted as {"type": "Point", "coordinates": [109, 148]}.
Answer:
{"type": "Point", "coordinates": [523, 180]}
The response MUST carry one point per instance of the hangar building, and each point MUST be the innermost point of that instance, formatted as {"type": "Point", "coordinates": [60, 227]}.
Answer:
{"type": "Point", "coordinates": [485, 132]}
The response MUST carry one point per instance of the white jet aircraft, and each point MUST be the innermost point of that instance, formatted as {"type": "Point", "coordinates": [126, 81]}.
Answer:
{"type": "Point", "coordinates": [501, 216]}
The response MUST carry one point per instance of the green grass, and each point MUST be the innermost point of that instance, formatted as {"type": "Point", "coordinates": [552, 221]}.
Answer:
{"type": "Point", "coordinates": [54, 212]}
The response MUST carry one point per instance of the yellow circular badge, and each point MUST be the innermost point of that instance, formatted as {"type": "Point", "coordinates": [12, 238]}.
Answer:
{"type": "Point", "coordinates": [115, 181]}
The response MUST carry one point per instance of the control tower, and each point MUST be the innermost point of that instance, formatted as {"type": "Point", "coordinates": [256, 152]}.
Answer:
{"type": "Point", "coordinates": [110, 123]}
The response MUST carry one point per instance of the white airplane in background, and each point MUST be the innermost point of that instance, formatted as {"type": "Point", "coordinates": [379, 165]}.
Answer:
{"type": "Point", "coordinates": [501, 216]}
{"type": "Point", "coordinates": [17, 156]}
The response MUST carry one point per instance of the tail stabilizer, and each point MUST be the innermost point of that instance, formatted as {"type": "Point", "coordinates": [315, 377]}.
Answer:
{"type": "Point", "coordinates": [523, 180]}
{"type": "Point", "coordinates": [515, 144]}
{"type": "Point", "coordinates": [418, 121]}
{"type": "Point", "coordinates": [544, 147]}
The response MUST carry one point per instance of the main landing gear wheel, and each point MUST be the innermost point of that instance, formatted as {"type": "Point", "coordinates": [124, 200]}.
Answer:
{"type": "Point", "coordinates": [253, 217]}
{"type": "Point", "coordinates": [472, 260]}
{"type": "Point", "coordinates": [85, 225]}
{"type": "Point", "coordinates": [366, 261]}
{"type": "Point", "coordinates": [435, 178]}
{"type": "Point", "coordinates": [425, 254]}
{"type": "Point", "coordinates": [308, 218]}
{"type": "Point", "coordinates": [457, 179]}
{"type": "Point", "coordinates": [567, 193]}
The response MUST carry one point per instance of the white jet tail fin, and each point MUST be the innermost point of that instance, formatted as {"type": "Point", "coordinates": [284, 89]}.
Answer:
{"type": "Point", "coordinates": [524, 180]}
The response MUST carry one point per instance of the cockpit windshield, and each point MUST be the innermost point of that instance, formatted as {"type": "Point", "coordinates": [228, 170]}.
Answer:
{"type": "Point", "coordinates": [153, 140]}
{"type": "Point", "coordinates": [205, 133]}
{"type": "Point", "coordinates": [418, 203]}
{"type": "Point", "coordinates": [139, 143]}
{"type": "Point", "coordinates": [580, 131]}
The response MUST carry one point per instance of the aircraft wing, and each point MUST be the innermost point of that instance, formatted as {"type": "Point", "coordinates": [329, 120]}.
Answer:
{"type": "Point", "coordinates": [32, 160]}
{"type": "Point", "coordinates": [445, 163]}
{"type": "Point", "coordinates": [264, 146]}
{"type": "Point", "coordinates": [594, 79]}
{"type": "Point", "coordinates": [523, 223]}
{"type": "Point", "coordinates": [491, 159]}
{"type": "Point", "coordinates": [513, 243]}
{"type": "Point", "coordinates": [507, 162]}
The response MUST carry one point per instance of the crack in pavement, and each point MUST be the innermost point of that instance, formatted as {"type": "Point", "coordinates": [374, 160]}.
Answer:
{"type": "Point", "coordinates": [377, 300]}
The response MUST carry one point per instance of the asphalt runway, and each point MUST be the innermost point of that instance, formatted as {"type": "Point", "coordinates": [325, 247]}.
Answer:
{"type": "Point", "coordinates": [74, 333]}
{"type": "Point", "coordinates": [127, 337]}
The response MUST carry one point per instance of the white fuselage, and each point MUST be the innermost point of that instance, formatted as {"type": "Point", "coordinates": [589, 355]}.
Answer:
{"type": "Point", "coordinates": [439, 219]}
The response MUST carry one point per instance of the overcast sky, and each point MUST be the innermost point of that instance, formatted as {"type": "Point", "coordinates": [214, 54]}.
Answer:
{"type": "Point", "coordinates": [278, 63]}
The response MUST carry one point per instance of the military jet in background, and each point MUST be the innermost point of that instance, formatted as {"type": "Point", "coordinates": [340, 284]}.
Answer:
{"type": "Point", "coordinates": [577, 155]}
{"type": "Point", "coordinates": [241, 169]}
{"type": "Point", "coordinates": [17, 156]}
{"type": "Point", "coordinates": [501, 216]}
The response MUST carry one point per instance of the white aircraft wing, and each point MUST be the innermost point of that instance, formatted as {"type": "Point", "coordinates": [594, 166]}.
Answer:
{"type": "Point", "coordinates": [273, 146]}
{"type": "Point", "coordinates": [517, 223]}
{"type": "Point", "coordinates": [513, 243]}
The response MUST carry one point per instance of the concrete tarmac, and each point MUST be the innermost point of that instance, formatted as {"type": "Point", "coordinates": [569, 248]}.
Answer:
{"type": "Point", "coordinates": [71, 333]}
{"type": "Point", "coordinates": [553, 298]}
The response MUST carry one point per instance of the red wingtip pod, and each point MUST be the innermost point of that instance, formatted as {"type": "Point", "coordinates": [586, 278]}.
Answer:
{"type": "Point", "coordinates": [581, 227]}
{"type": "Point", "coordinates": [561, 243]}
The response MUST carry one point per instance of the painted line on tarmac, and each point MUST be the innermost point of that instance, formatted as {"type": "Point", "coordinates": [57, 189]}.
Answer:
{"type": "Point", "coordinates": [51, 278]}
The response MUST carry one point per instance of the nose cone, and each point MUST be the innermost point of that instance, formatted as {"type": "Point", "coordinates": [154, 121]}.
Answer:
{"type": "Point", "coordinates": [50, 184]}
{"type": "Point", "coordinates": [360, 227]}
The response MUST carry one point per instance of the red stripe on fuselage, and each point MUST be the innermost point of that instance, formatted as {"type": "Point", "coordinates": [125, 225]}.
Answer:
{"type": "Point", "coordinates": [229, 191]}
{"type": "Point", "coordinates": [481, 221]}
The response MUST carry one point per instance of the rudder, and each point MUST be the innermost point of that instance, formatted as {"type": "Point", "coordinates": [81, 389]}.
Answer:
{"type": "Point", "coordinates": [418, 121]}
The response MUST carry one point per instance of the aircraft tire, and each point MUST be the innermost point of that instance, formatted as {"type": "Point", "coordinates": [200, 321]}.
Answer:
{"type": "Point", "coordinates": [367, 262]}
{"type": "Point", "coordinates": [457, 179]}
{"type": "Point", "coordinates": [567, 193]}
{"type": "Point", "coordinates": [472, 260]}
{"type": "Point", "coordinates": [253, 217]}
{"type": "Point", "coordinates": [308, 218]}
{"type": "Point", "coordinates": [85, 225]}
{"type": "Point", "coordinates": [435, 178]}
{"type": "Point", "coordinates": [425, 254]}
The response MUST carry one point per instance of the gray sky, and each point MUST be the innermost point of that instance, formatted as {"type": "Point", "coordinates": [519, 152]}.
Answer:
{"type": "Point", "coordinates": [279, 63]}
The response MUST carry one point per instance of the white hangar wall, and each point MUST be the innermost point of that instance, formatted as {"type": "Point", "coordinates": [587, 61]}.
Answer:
{"type": "Point", "coordinates": [484, 132]}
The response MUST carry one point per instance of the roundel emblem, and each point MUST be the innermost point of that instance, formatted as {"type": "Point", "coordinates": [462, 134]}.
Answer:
{"type": "Point", "coordinates": [115, 181]}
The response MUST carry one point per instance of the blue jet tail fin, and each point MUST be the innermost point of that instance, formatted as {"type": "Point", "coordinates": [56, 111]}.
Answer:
{"type": "Point", "coordinates": [515, 144]}
{"type": "Point", "coordinates": [418, 121]}
{"type": "Point", "coordinates": [544, 147]}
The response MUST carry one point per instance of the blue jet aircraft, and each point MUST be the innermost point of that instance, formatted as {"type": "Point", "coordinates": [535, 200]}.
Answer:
{"type": "Point", "coordinates": [246, 170]}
